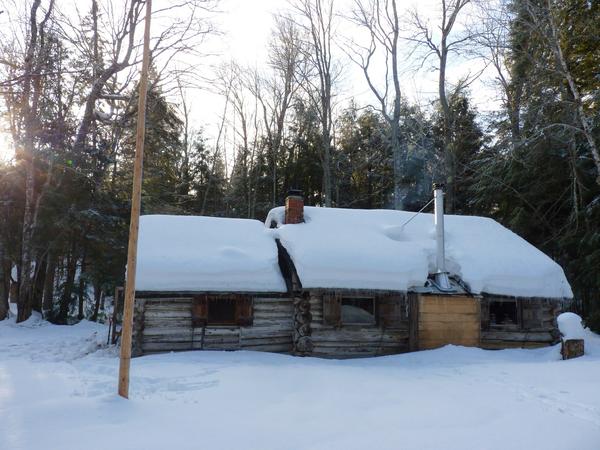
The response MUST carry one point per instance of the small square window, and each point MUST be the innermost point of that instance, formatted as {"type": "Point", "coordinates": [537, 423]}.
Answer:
{"type": "Point", "coordinates": [221, 311]}
{"type": "Point", "coordinates": [358, 311]}
{"type": "Point", "coordinates": [504, 314]}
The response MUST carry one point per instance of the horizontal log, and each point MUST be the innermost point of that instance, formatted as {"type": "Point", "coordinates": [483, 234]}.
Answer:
{"type": "Point", "coordinates": [277, 340]}
{"type": "Point", "coordinates": [270, 322]}
{"type": "Point", "coordinates": [169, 312]}
{"type": "Point", "coordinates": [154, 347]}
{"type": "Point", "coordinates": [173, 338]}
{"type": "Point", "coordinates": [217, 343]}
{"type": "Point", "coordinates": [275, 348]}
{"type": "Point", "coordinates": [359, 346]}
{"type": "Point", "coordinates": [218, 331]}
{"type": "Point", "coordinates": [167, 331]}
{"type": "Point", "coordinates": [517, 336]}
{"type": "Point", "coordinates": [216, 346]}
{"type": "Point", "coordinates": [260, 332]}
{"type": "Point", "coordinates": [498, 345]}
{"type": "Point", "coordinates": [156, 305]}
{"type": "Point", "coordinates": [169, 322]}
{"type": "Point", "coordinates": [359, 334]}
{"type": "Point", "coordinates": [343, 353]}
{"type": "Point", "coordinates": [272, 299]}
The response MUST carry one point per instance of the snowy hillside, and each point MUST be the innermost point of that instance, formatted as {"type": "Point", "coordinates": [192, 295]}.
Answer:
{"type": "Point", "coordinates": [57, 392]}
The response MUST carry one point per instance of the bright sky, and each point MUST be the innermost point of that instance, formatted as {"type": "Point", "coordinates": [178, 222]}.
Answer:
{"type": "Point", "coordinates": [246, 27]}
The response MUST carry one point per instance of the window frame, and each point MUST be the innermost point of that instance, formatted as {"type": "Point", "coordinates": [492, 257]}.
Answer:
{"type": "Point", "coordinates": [518, 323]}
{"type": "Point", "coordinates": [243, 310]}
{"type": "Point", "coordinates": [362, 297]}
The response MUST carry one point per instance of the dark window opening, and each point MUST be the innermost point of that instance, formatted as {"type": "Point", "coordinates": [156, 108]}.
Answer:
{"type": "Point", "coordinates": [503, 314]}
{"type": "Point", "coordinates": [358, 311]}
{"type": "Point", "coordinates": [221, 311]}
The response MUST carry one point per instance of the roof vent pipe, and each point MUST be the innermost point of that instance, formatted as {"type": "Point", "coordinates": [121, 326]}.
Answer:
{"type": "Point", "coordinates": [441, 276]}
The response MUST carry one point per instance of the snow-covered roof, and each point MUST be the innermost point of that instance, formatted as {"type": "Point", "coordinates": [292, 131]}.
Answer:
{"type": "Point", "coordinates": [370, 249]}
{"type": "Point", "coordinates": [191, 253]}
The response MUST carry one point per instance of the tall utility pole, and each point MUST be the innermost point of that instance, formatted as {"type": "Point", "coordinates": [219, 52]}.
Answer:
{"type": "Point", "coordinates": [136, 201]}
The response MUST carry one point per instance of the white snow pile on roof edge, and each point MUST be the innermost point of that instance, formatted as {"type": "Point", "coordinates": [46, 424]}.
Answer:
{"type": "Point", "coordinates": [370, 249]}
{"type": "Point", "coordinates": [570, 326]}
{"type": "Point", "coordinates": [192, 253]}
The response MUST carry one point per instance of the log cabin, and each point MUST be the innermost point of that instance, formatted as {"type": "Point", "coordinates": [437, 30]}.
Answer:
{"type": "Point", "coordinates": [342, 283]}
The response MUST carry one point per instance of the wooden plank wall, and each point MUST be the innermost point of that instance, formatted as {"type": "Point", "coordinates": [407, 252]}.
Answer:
{"type": "Point", "coordinates": [355, 341]}
{"type": "Point", "coordinates": [167, 326]}
{"type": "Point", "coordinates": [447, 319]}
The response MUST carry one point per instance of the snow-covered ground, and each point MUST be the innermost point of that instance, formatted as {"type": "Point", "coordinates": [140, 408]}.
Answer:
{"type": "Point", "coordinates": [57, 392]}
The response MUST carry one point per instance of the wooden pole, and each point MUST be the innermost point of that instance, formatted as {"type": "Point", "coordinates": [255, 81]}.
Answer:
{"type": "Point", "coordinates": [136, 200]}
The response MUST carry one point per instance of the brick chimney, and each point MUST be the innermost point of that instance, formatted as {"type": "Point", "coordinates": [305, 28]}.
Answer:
{"type": "Point", "coordinates": [294, 207]}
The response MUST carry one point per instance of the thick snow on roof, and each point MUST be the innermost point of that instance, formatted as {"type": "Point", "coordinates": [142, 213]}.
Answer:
{"type": "Point", "coordinates": [191, 253]}
{"type": "Point", "coordinates": [369, 249]}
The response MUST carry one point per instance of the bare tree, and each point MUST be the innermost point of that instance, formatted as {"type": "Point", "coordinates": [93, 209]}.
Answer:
{"type": "Point", "coordinates": [493, 46]}
{"type": "Point", "coordinates": [276, 92]}
{"type": "Point", "coordinates": [106, 66]}
{"type": "Point", "coordinates": [380, 19]}
{"type": "Point", "coordinates": [439, 43]}
{"type": "Point", "coordinates": [318, 16]}
{"type": "Point", "coordinates": [23, 103]}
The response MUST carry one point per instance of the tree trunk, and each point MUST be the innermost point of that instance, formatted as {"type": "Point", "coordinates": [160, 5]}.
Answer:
{"type": "Point", "coordinates": [98, 301]}
{"type": "Point", "coordinates": [65, 301]}
{"type": "Point", "coordinates": [327, 169]}
{"type": "Point", "coordinates": [81, 291]}
{"type": "Point", "coordinates": [4, 286]}
{"type": "Point", "coordinates": [26, 278]}
{"type": "Point", "coordinates": [48, 296]}
{"type": "Point", "coordinates": [38, 284]}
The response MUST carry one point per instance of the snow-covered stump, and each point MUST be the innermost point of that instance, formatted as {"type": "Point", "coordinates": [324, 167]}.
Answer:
{"type": "Point", "coordinates": [573, 343]}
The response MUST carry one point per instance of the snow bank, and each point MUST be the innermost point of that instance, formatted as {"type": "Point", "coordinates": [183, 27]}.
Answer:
{"type": "Point", "coordinates": [56, 394]}
{"type": "Point", "coordinates": [570, 326]}
{"type": "Point", "coordinates": [370, 249]}
{"type": "Point", "coordinates": [191, 253]}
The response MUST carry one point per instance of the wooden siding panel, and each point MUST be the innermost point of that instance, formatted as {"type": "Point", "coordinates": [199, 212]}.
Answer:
{"type": "Point", "coordinates": [448, 320]}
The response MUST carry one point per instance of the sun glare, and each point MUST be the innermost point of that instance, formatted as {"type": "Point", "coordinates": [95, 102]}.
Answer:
{"type": "Point", "coordinates": [7, 152]}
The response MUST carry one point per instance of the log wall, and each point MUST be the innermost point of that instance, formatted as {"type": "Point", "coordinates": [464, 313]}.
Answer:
{"type": "Point", "coordinates": [165, 324]}
{"type": "Point", "coordinates": [351, 341]}
{"type": "Point", "coordinates": [425, 321]}
{"type": "Point", "coordinates": [537, 325]}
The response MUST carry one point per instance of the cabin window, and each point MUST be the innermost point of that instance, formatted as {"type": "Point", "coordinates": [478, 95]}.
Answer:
{"type": "Point", "coordinates": [503, 314]}
{"type": "Point", "coordinates": [222, 310]}
{"type": "Point", "coordinates": [358, 311]}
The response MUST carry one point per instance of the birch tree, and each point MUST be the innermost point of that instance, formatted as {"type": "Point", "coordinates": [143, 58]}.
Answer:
{"type": "Point", "coordinates": [544, 23]}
